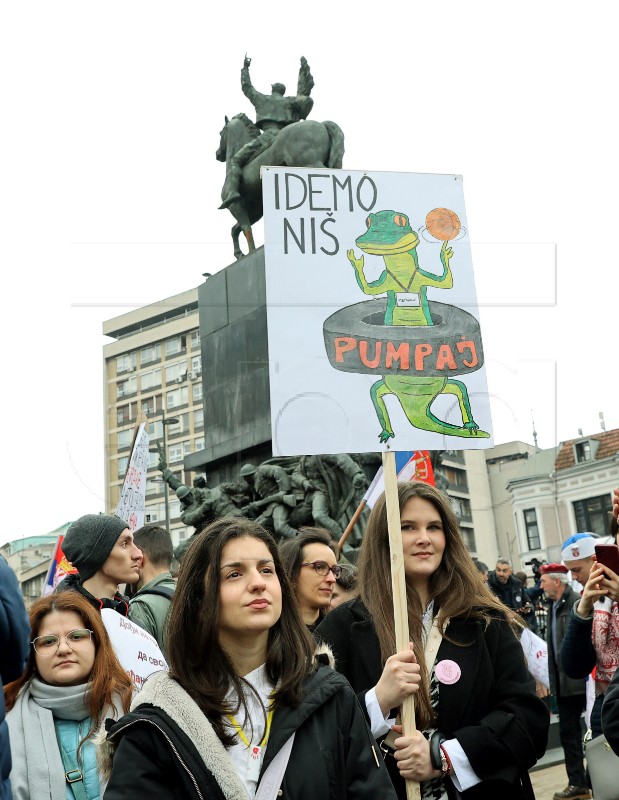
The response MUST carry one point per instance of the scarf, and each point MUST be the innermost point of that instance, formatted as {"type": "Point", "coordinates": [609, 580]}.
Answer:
{"type": "Point", "coordinates": [605, 638]}
{"type": "Point", "coordinates": [37, 764]}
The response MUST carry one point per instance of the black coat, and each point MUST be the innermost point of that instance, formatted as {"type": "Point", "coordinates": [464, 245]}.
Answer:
{"type": "Point", "coordinates": [492, 710]}
{"type": "Point", "coordinates": [610, 713]}
{"type": "Point", "coordinates": [165, 748]}
{"type": "Point", "coordinates": [14, 648]}
{"type": "Point", "coordinates": [568, 687]}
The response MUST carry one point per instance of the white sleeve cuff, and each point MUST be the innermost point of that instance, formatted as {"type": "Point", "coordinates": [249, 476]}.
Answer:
{"type": "Point", "coordinates": [464, 777]}
{"type": "Point", "coordinates": [379, 723]}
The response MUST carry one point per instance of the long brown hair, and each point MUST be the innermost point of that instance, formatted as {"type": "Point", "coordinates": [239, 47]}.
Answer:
{"type": "Point", "coordinates": [456, 586]}
{"type": "Point", "coordinates": [196, 658]}
{"type": "Point", "coordinates": [107, 677]}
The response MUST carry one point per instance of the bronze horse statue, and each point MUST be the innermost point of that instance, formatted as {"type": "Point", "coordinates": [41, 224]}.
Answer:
{"type": "Point", "coordinates": [301, 144]}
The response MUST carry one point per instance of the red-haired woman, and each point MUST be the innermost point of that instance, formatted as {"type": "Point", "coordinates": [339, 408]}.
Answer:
{"type": "Point", "coordinates": [71, 683]}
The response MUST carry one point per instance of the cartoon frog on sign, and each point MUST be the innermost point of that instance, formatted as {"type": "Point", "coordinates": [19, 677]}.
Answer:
{"type": "Point", "coordinates": [390, 235]}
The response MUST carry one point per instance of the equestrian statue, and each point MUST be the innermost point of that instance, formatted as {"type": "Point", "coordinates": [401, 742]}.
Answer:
{"type": "Point", "coordinates": [282, 136]}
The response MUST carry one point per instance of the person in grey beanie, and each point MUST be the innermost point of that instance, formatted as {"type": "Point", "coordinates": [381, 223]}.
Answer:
{"type": "Point", "coordinates": [102, 550]}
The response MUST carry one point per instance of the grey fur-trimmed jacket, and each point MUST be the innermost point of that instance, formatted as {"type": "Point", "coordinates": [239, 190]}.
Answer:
{"type": "Point", "coordinates": [166, 748]}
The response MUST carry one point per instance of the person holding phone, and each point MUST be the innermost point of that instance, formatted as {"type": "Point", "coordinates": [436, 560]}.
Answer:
{"type": "Point", "coordinates": [592, 635]}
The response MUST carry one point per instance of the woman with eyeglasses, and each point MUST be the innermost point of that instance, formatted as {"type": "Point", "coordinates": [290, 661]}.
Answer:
{"type": "Point", "coordinates": [310, 561]}
{"type": "Point", "coordinates": [480, 725]}
{"type": "Point", "coordinates": [245, 710]}
{"type": "Point", "coordinates": [71, 683]}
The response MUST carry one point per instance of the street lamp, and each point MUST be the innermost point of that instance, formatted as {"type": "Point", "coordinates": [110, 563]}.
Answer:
{"type": "Point", "coordinates": [165, 421]}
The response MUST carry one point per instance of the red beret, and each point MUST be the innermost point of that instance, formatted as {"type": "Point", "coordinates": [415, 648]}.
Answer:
{"type": "Point", "coordinates": [547, 569]}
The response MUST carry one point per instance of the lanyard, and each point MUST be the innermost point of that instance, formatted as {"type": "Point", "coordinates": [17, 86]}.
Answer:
{"type": "Point", "coordinates": [241, 732]}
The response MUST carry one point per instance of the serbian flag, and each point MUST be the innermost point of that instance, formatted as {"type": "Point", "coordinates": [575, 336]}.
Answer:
{"type": "Point", "coordinates": [409, 466]}
{"type": "Point", "coordinates": [58, 569]}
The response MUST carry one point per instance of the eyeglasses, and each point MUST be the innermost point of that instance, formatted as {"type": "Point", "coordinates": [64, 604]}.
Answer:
{"type": "Point", "coordinates": [47, 645]}
{"type": "Point", "coordinates": [322, 568]}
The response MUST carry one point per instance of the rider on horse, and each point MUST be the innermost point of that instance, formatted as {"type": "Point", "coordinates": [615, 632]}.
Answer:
{"type": "Point", "coordinates": [273, 112]}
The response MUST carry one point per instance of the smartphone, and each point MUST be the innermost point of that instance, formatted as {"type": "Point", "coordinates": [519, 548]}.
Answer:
{"type": "Point", "coordinates": [608, 555]}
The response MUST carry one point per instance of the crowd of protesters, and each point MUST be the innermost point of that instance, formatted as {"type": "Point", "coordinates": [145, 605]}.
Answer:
{"type": "Point", "coordinates": [283, 675]}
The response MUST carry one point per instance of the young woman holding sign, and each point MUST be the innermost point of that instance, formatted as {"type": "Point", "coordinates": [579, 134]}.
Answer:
{"type": "Point", "coordinates": [245, 709]}
{"type": "Point", "coordinates": [71, 683]}
{"type": "Point", "coordinates": [480, 724]}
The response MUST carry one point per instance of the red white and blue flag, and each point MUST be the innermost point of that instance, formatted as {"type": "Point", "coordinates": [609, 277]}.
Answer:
{"type": "Point", "coordinates": [58, 569]}
{"type": "Point", "coordinates": [410, 465]}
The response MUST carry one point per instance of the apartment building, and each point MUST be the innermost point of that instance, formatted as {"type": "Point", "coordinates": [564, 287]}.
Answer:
{"type": "Point", "coordinates": [152, 373]}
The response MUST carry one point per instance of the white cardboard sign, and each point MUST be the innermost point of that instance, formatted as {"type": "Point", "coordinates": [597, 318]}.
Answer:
{"type": "Point", "coordinates": [133, 495]}
{"type": "Point", "coordinates": [373, 326]}
{"type": "Point", "coordinates": [137, 651]}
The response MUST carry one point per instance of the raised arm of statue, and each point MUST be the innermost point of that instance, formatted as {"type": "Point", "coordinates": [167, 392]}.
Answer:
{"type": "Point", "coordinates": [305, 82]}
{"type": "Point", "coordinates": [250, 93]}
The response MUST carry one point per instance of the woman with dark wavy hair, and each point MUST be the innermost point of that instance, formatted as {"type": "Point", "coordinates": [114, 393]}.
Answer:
{"type": "Point", "coordinates": [245, 709]}
{"type": "Point", "coordinates": [72, 681]}
{"type": "Point", "coordinates": [480, 725]}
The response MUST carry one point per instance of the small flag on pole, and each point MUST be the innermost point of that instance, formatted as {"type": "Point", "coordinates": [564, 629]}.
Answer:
{"type": "Point", "coordinates": [58, 569]}
{"type": "Point", "coordinates": [410, 465]}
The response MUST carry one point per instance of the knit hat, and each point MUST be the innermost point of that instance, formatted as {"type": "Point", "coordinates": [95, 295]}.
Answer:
{"type": "Point", "coordinates": [580, 545]}
{"type": "Point", "coordinates": [90, 540]}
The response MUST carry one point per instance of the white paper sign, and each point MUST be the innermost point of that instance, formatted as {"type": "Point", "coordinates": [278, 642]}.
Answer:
{"type": "Point", "coordinates": [137, 651]}
{"type": "Point", "coordinates": [373, 326]}
{"type": "Point", "coordinates": [133, 494]}
{"type": "Point", "coordinates": [536, 654]}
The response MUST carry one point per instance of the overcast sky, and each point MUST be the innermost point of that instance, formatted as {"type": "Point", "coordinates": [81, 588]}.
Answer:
{"type": "Point", "coordinates": [109, 190]}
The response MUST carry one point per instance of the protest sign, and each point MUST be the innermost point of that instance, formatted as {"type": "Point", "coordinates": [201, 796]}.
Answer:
{"type": "Point", "coordinates": [373, 327]}
{"type": "Point", "coordinates": [137, 651]}
{"type": "Point", "coordinates": [133, 495]}
{"type": "Point", "coordinates": [536, 654]}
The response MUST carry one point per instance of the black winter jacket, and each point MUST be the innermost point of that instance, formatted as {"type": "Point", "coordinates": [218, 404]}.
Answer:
{"type": "Point", "coordinates": [492, 709]}
{"type": "Point", "coordinates": [14, 648]}
{"type": "Point", "coordinates": [73, 583]}
{"type": "Point", "coordinates": [578, 655]}
{"type": "Point", "coordinates": [568, 686]}
{"type": "Point", "coordinates": [165, 748]}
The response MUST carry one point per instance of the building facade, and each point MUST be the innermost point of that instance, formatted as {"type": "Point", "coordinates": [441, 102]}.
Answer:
{"type": "Point", "coordinates": [565, 490]}
{"type": "Point", "coordinates": [152, 373]}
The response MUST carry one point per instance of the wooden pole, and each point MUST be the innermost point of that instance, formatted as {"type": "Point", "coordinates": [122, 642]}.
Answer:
{"type": "Point", "coordinates": [398, 586]}
{"type": "Point", "coordinates": [351, 524]}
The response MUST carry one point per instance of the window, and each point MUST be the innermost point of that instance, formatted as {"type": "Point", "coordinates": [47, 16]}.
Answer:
{"type": "Point", "coordinates": [182, 426]}
{"type": "Point", "coordinates": [125, 438]}
{"type": "Point", "coordinates": [582, 451]}
{"type": "Point", "coordinates": [175, 509]}
{"type": "Point", "coordinates": [178, 397]}
{"type": "Point", "coordinates": [175, 345]}
{"type": "Point", "coordinates": [126, 363]}
{"type": "Point", "coordinates": [461, 507]}
{"type": "Point", "coordinates": [532, 529]}
{"type": "Point", "coordinates": [196, 364]}
{"type": "Point", "coordinates": [197, 392]}
{"type": "Point", "coordinates": [468, 534]}
{"type": "Point", "coordinates": [592, 514]}
{"type": "Point", "coordinates": [151, 379]}
{"type": "Point", "coordinates": [125, 388]}
{"type": "Point", "coordinates": [198, 418]}
{"type": "Point", "coordinates": [150, 354]}
{"type": "Point", "coordinates": [195, 340]}
{"type": "Point", "coordinates": [150, 514]}
{"type": "Point", "coordinates": [456, 477]}
{"type": "Point", "coordinates": [175, 454]}
{"type": "Point", "coordinates": [122, 464]}
{"type": "Point", "coordinates": [125, 414]}
{"type": "Point", "coordinates": [199, 444]}
{"type": "Point", "coordinates": [155, 429]}
{"type": "Point", "coordinates": [152, 405]}
{"type": "Point", "coordinates": [175, 371]}
{"type": "Point", "coordinates": [154, 487]}
{"type": "Point", "coordinates": [153, 460]}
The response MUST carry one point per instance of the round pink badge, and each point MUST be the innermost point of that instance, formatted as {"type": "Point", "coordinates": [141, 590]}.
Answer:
{"type": "Point", "coordinates": [447, 671]}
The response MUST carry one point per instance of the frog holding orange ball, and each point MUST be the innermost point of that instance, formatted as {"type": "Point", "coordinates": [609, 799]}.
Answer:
{"type": "Point", "coordinates": [390, 235]}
